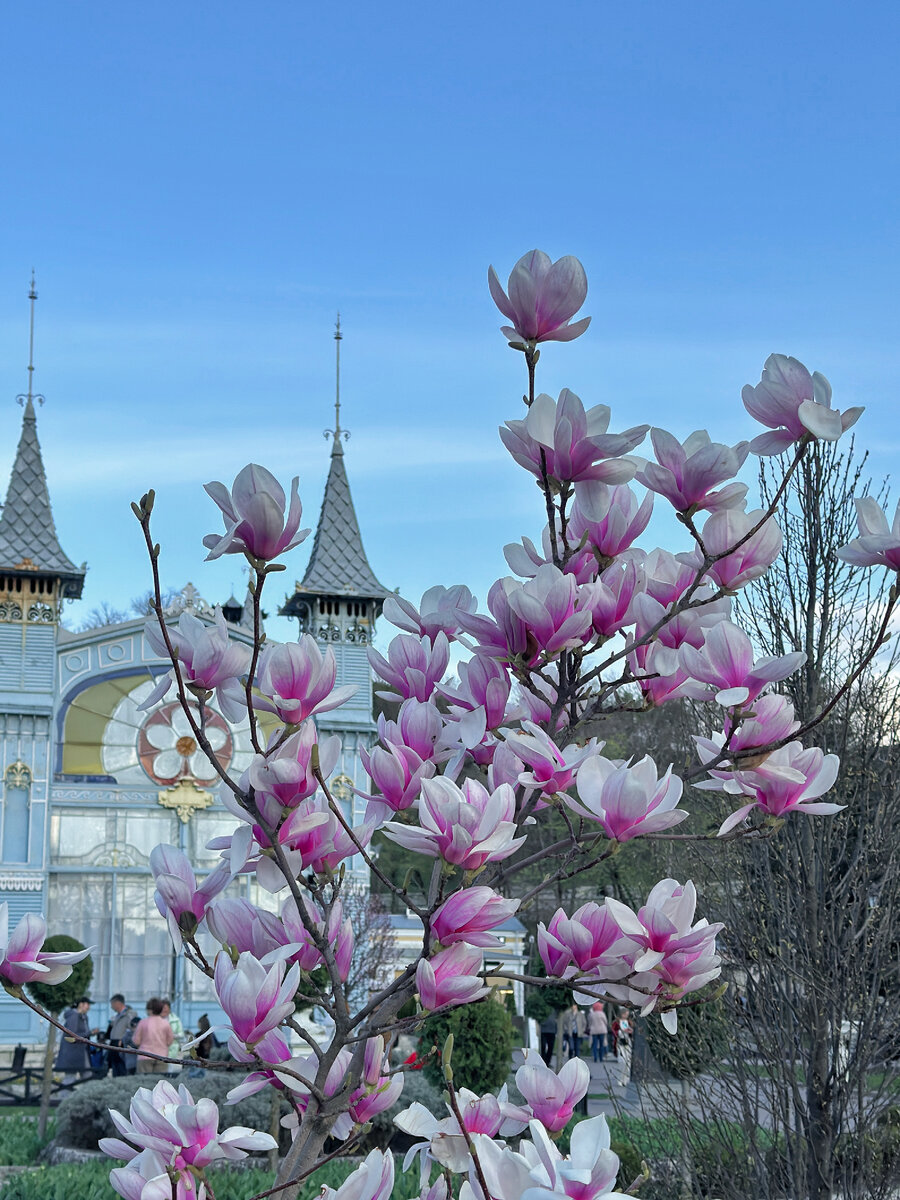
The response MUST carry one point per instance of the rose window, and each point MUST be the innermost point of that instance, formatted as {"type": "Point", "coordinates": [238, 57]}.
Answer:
{"type": "Point", "coordinates": [168, 749]}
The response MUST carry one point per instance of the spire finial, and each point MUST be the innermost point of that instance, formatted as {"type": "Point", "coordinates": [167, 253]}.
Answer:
{"type": "Point", "coordinates": [28, 399]}
{"type": "Point", "coordinates": [337, 433]}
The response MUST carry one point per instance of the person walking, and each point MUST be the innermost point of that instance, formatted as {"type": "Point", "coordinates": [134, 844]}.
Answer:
{"type": "Point", "coordinates": [119, 1034]}
{"type": "Point", "coordinates": [177, 1029]}
{"type": "Point", "coordinates": [624, 1037]}
{"type": "Point", "coordinates": [73, 1059]}
{"type": "Point", "coordinates": [153, 1034]}
{"type": "Point", "coordinates": [548, 1037]}
{"type": "Point", "coordinates": [580, 1029]}
{"type": "Point", "coordinates": [598, 1028]}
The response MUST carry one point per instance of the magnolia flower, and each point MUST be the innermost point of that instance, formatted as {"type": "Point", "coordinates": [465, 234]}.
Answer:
{"type": "Point", "coordinates": [419, 727]}
{"type": "Point", "coordinates": [437, 612]}
{"type": "Point", "coordinates": [146, 1178]}
{"type": "Point", "coordinates": [184, 1134]}
{"type": "Point", "coordinates": [373, 1179]}
{"type": "Point", "coordinates": [444, 1142]}
{"type": "Point", "coordinates": [297, 680]}
{"type": "Point", "coordinates": [589, 942]}
{"type": "Point", "coordinates": [561, 440]}
{"type": "Point", "coordinates": [552, 770]}
{"type": "Point", "coordinates": [256, 998]}
{"type": "Point", "coordinates": [23, 961]}
{"type": "Point", "coordinates": [397, 772]}
{"type": "Point", "coordinates": [466, 826]}
{"type": "Point", "coordinates": [726, 661]}
{"type": "Point", "coordinates": [469, 914]}
{"type": "Point", "coordinates": [688, 471]}
{"type": "Point", "coordinates": [300, 942]}
{"type": "Point", "coordinates": [674, 955]}
{"type": "Point", "coordinates": [552, 1095]}
{"type": "Point", "coordinates": [791, 779]}
{"type": "Point", "coordinates": [378, 1089]}
{"type": "Point", "coordinates": [208, 660]}
{"type": "Point", "coordinates": [542, 298]}
{"type": "Point", "coordinates": [628, 799]}
{"type": "Point", "coordinates": [450, 977]}
{"type": "Point", "coordinates": [589, 1172]}
{"type": "Point", "coordinates": [751, 559]}
{"type": "Point", "coordinates": [793, 404]}
{"type": "Point", "coordinates": [414, 666]}
{"type": "Point", "coordinates": [254, 516]}
{"type": "Point", "coordinates": [771, 721]}
{"type": "Point", "coordinates": [303, 1071]}
{"type": "Point", "coordinates": [611, 517]}
{"type": "Point", "coordinates": [878, 544]}
{"type": "Point", "coordinates": [178, 896]}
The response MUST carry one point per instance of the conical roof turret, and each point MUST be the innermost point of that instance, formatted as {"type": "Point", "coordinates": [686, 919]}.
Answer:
{"type": "Point", "coordinates": [28, 540]}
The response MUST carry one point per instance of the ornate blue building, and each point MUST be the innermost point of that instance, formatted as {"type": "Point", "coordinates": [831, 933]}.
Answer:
{"type": "Point", "coordinates": [91, 782]}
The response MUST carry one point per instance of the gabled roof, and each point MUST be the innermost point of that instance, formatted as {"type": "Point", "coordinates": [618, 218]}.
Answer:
{"type": "Point", "coordinates": [28, 541]}
{"type": "Point", "coordinates": [338, 565]}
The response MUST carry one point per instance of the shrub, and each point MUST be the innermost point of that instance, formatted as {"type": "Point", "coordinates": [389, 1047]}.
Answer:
{"type": "Point", "coordinates": [482, 1045]}
{"type": "Point", "coordinates": [83, 1118]}
{"type": "Point", "coordinates": [20, 1142]}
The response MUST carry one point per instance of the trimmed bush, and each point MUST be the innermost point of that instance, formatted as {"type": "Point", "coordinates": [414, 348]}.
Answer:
{"type": "Point", "coordinates": [482, 1045]}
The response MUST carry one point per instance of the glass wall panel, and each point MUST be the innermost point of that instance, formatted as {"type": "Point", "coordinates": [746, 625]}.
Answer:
{"type": "Point", "coordinates": [15, 825]}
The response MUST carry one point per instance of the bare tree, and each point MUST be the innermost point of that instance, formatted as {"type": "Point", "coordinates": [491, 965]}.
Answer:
{"type": "Point", "coordinates": [811, 914]}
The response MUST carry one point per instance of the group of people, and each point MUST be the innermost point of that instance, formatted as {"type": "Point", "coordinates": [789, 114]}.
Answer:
{"type": "Point", "coordinates": [160, 1032]}
{"type": "Point", "coordinates": [615, 1037]}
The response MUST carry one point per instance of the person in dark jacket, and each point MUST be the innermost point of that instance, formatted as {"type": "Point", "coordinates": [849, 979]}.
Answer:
{"type": "Point", "coordinates": [73, 1059]}
{"type": "Point", "coordinates": [119, 1034]}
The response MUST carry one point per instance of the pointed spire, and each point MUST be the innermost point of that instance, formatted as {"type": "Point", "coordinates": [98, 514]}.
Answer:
{"type": "Point", "coordinates": [28, 540]}
{"type": "Point", "coordinates": [338, 565]}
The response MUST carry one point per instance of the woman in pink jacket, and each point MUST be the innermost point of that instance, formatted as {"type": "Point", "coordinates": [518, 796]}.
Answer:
{"type": "Point", "coordinates": [153, 1034]}
{"type": "Point", "coordinates": [598, 1028]}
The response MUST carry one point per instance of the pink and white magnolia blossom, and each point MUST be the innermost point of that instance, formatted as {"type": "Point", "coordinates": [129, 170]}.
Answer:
{"type": "Point", "coordinates": [552, 1095]}
{"type": "Point", "coordinates": [397, 772]}
{"type": "Point", "coordinates": [726, 661]}
{"type": "Point", "coordinates": [589, 942]}
{"type": "Point", "coordinates": [609, 517]}
{"type": "Point", "coordinates": [878, 544]}
{"type": "Point", "coordinates": [300, 936]}
{"type": "Point", "coordinates": [771, 720]}
{"type": "Point", "coordinates": [685, 473]}
{"type": "Point", "coordinates": [541, 298]}
{"type": "Point", "coordinates": [469, 915]}
{"type": "Point", "coordinates": [465, 825]}
{"type": "Point", "coordinates": [418, 727]}
{"type": "Point", "coordinates": [254, 516]}
{"type": "Point", "coordinates": [241, 926]}
{"type": "Point", "coordinates": [612, 598]}
{"type": "Point", "coordinates": [525, 559]}
{"type": "Point", "coordinates": [450, 977]}
{"type": "Point", "coordinates": [256, 995]}
{"type": "Point", "coordinates": [184, 1133]}
{"type": "Point", "coordinates": [790, 779]}
{"type": "Point", "coordinates": [676, 955]}
{"type": "Point", "coordinates": [22, 959]}
{"type": "Point", "coordinates": [297, 681]}
{"type": "Point", "coordinates": [373, 1179]}
{"type": "Point", "coordinates": [145, 1178]}
{"type": "Point", "coordinates": [552, 770]}
{"type": "Point", "coordinates": [299, 1075]}
{"type": "Point", "coordinates": [178, 897]}
{"type": "Point", "coordinates": [414, 666]}
{"type": "Point", "coordinates": [480, 697]}
{"type": "Point", "coordinates": [444, 1143]}
{"type": "Point", "coordinates": [588, 1172]}
{"type": "Point", "coordinates": [378, 1088]}
{"type": "Point", "coordinates": [437, 612]}
{"type": "Point", "coordinates": [208, 661]}
{"type": "Point", "coordinates": [793, 404]}
{"type": "Point", "coordinates": [628, 799]}
{"type": "Point", "coordinates": [561, 440]}
{"type": "Point", "coordinates": [531, 619]}
{"type": "Point", "coordinates": [753, 556]}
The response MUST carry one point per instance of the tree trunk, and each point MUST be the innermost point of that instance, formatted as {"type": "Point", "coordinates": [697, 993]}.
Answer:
{"type": "Point", "coordinates": [47, 1081]}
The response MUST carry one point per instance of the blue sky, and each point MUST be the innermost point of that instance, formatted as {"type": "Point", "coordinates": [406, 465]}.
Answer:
{"type": "Point", "coordinates": [200, 187]}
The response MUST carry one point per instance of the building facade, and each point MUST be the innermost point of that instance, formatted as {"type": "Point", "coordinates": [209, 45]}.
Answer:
{"type": "Point", "coordinates": [91, 782]}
